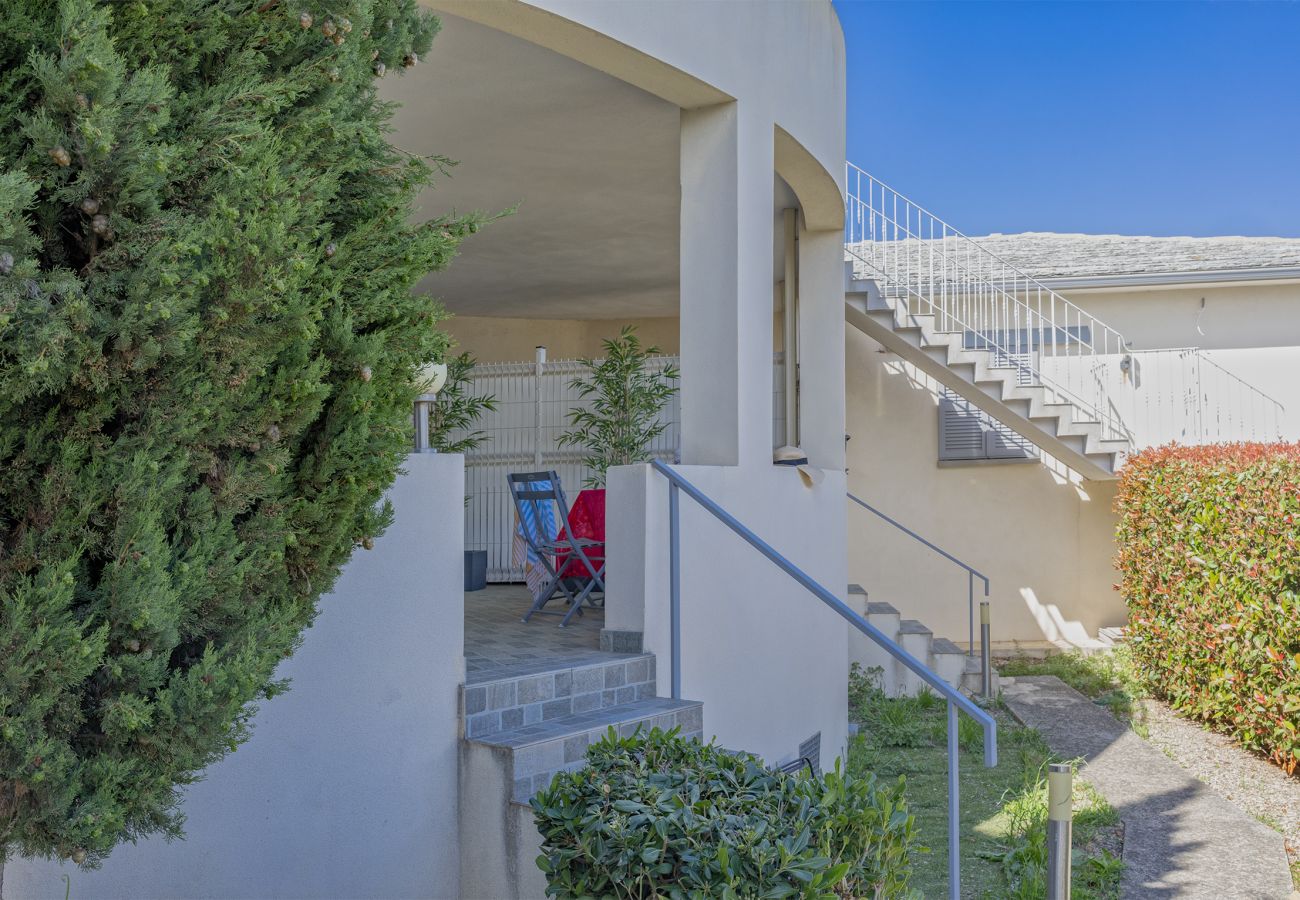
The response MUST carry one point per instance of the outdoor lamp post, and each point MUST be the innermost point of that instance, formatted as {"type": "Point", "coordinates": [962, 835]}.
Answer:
{"type": "Point", "coordinates": [432, 378]}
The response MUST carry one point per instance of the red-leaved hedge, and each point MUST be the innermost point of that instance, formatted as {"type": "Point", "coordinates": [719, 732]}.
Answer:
{"type": "Point", "coordinates": [1209, 570]}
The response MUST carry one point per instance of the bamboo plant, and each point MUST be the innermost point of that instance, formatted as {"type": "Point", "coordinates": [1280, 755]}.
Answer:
{"type": "Point", "coordinates": [626, 393]}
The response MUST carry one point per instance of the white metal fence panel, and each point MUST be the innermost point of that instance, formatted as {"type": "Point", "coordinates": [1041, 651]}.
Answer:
{"type": "Point", "coordinates": [1183, 395]}
{"type": "Point", "coordinates": [523, 434]}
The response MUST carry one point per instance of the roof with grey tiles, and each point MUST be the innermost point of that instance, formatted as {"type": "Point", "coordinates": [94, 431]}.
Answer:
{"type": "Point", "coordinates": [1050, 255]}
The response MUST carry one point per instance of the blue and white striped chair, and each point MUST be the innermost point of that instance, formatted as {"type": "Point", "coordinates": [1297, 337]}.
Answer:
{"type": "Point", "coordinates": [538, 499]}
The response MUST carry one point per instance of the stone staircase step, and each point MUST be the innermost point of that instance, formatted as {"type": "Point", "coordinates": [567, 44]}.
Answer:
{"type": "Point", "coordinates": [915, 638]}
{"type": "Point", "coordinates": [540, 750]}
{"type": "Point", "coordinates": [880, 608]}
{"type": "Point", "coordinates": [948, 660]}
{"type": "Point", "coordinates": [912, 626]}
{"type": "Point", "coordinates": [513, 702]}
{"type": "Point", "coordinates": [972, 679]}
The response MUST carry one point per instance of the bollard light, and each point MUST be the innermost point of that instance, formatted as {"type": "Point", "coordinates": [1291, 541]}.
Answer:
{"type": "Point", "coordinates": [1060, 812]}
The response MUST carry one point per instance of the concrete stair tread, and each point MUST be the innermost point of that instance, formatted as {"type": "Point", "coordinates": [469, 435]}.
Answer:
{"type": "Point", "coordinates": [943, 645]}
{"type": "Point", "coordinates": [857, 589]}
{"type": "Point", "coordinates": [912, 626]}
{"type": "Point", "coordinates": [881, 608]}
{"type": "Point", "coordinates": [578, 723]}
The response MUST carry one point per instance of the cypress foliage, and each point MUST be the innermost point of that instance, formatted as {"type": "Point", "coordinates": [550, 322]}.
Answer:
{"type": "Point", "coordinates": [207, 342]}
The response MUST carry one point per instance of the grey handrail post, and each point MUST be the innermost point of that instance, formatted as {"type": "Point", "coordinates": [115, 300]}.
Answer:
{"type": "Point", "coordinates": [970, 612]}
{"type": "Point", "coordinates": [675, 588]}
{"type": "Point", "coordinates": [1060, 790]}
{"type": "Point", "coordinates": [986, 652]}
{"type": "Point", "coordinates": [954, 808]}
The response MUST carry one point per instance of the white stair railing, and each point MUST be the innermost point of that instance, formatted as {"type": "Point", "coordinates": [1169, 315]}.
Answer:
{"type": "Point", "coordinates": [932, 269]}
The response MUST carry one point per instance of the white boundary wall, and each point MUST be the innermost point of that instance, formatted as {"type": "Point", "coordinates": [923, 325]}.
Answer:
{"type": "Point", "coordinates": [348, 787]}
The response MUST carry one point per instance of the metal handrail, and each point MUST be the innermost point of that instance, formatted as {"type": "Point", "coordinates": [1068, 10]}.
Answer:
{"type": "Point", "coordinates": [946, 274]}
{"type": "Point", "coordinates": [677, 484]}
{"type": "Point", "coordinates": [971, 572]}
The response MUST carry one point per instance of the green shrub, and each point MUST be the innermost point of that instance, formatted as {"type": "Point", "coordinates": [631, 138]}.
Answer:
{"type": "Point", "coordinates": [208, 336]}
{"type": "Point", "coordinates": [656, 815]}
{"type": "Point", "coordinates": [1210, 572]}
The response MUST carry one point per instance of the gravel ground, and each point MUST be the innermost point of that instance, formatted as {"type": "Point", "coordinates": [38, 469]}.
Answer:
{"type": "Point", "coordinates": [1254, 784]}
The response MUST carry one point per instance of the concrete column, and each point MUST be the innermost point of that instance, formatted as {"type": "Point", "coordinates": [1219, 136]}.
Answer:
{"type": "Point", "coordinates": [821, 347]}
{"type": "Point", "coordinates": [726, 285]}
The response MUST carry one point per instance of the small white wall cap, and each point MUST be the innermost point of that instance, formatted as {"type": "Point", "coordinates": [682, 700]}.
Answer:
{"type": "Point", "coordinates": [431, 378]}
{"type": "Point", "coordinates": [789, 456]}
{"type": "Point", "coordinates": [793, 456]}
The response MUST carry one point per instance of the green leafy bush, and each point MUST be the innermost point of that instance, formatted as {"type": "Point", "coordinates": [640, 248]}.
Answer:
{"type": "Point", "coordinates": [656, 815]}
{"type": "Point", "coordinates": [208, 337]}
{"type": "Point", "coordinates": [1210, 572]}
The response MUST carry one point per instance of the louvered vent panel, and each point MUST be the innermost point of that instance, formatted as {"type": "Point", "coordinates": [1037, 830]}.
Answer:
{"type": "Point", "coordinates": [961, 434]}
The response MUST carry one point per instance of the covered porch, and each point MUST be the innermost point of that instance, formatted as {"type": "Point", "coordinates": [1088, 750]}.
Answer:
{"type": "Point", "coordinates": [640, 195]}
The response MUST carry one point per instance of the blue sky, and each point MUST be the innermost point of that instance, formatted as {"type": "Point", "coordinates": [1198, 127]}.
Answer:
{"type": "Point", "coordinates": [1158, 118]}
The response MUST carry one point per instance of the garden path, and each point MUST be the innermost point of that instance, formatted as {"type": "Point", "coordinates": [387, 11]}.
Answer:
{"type": "Point", "coordinates": [1180, 838]}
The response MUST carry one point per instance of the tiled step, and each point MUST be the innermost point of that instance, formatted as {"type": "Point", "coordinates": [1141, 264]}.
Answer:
{"type": "Point", "coordinates": [536, 752]}
{"type": "Point", "coordinates": [517, 701]}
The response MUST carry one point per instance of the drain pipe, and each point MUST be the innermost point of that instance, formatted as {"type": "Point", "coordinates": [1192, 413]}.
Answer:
{"type": "Point", "coordinates": [986, 652]}
{"type": "Point", "coordinates": [538, 365]}
{"type": "Point", "coordinates": [790, 327]}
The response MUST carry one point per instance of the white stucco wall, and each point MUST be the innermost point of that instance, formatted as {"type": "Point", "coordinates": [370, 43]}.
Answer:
{"type": "Point", "coordinates": [768, 659]}
{"type": "Point", "coordinates": [1046, 541]}
{"type": "Point", "coordinates": [348, 787]}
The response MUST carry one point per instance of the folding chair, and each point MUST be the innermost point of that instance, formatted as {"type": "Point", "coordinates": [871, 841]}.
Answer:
{"type": "Point", "coordinates": [530, 490]}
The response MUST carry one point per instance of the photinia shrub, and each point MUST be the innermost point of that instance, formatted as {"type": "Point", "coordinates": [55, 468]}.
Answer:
{"type": "Point", "coordinates": [1209, 570]}
{"type": "Point", "coordinates": [655, 815]}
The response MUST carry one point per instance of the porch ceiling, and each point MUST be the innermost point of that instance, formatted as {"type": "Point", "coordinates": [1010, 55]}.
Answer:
{"type": "Point", "coordinates": [591, 161]}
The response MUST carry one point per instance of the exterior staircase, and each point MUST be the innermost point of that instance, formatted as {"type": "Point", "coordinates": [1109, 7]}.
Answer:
{"type": "Point", "coordinates": [519, 730]}
{"type": "Point", "coordinates": [945, 658]}
{"type": "Point", "coordinates": [540, 723]}
{"type": "Point", "coordinates": [1003, 341]}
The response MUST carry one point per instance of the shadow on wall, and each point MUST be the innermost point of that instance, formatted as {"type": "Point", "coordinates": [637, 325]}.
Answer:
{"type": "Point", "coordinates": [1060, 473]}
{"type": "Point", "coordinates": [1066, 634]}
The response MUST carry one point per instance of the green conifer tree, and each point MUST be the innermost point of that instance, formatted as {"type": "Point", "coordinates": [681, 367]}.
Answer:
{"type": "Point", "coordinates": [208, 336]}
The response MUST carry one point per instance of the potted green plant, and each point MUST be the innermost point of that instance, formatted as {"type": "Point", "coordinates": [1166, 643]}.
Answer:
{"type": "Point", "coordinates": [451, 430]}
{"type": "Point", "coordinates": [626, 395]}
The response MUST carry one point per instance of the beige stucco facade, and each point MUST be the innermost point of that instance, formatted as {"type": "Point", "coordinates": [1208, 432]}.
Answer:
{"type": "Point", "coordinates": [1043, 536]}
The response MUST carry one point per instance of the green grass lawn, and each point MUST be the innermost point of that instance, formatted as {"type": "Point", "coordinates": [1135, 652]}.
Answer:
{"type": "Point", "coordinates": [1003, 810]}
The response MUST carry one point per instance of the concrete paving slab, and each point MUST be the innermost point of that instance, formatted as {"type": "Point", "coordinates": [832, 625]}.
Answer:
{"type": "Point", "coordinates": [1180, 838]}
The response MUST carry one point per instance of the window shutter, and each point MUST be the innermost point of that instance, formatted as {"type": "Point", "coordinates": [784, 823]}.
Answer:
{"type": "Point", "coordinates": [961, 434]}
{"type": "Point", "coordinates": [1001, 442]}
{"type": "Point", "coordinates": [967, 432]}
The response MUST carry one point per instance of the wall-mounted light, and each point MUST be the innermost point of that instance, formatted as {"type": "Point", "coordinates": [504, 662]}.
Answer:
{"type": "Point", "coordinates": [429, 382]}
